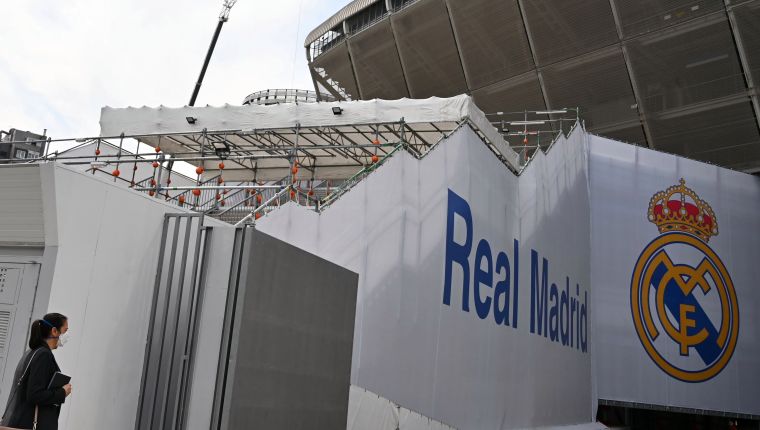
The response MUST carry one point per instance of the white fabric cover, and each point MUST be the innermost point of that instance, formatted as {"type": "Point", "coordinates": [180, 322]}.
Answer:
{"type": "Point", "coordinates": [410, 347]}
{"type": "Point", "coordinates": [164, 120]}
{"type": "Point", "coordinates": [369, 411]}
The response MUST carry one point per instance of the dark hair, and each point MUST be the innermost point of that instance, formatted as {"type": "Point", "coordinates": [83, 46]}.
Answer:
{"type": "Point", "coordinates": [41, 329]}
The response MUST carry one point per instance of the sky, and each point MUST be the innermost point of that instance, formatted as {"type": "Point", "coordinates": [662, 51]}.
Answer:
{"type": "Point", "coordinates": [61, 61]}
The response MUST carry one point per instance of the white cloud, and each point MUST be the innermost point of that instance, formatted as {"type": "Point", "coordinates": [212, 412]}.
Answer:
{"type": "Point", "coordinates": [60, 62]}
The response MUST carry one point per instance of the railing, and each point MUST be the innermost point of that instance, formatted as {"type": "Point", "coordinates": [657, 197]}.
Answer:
{"type": "Point", "coordinates": [321, 197]}
{"type": "Point", "coordinates": [328, 40]}
{"type": "Point", "coordinates": [366, 18]}
{"type": "Point", "coordinates": [275, 96]}
{"type": "Point", "coordinates": [355, 179]}
{"type": "Point", "coordinates": [141, 183]}
{"type": "Point", "coordinates": [194, 201]}
{"type": "Point", "coordinates": [251, 200]}
{"type": "Point", "coordinates": [267, 206]}
{"type": "Point", "coordinates": [363, 19]}
{"type": "Point", "coordinates": [397, 5]}
{"type": "Point", "coordinates": [316, 196]}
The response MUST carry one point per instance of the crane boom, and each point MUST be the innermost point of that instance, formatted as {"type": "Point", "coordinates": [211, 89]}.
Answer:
{"type": "Point", "coordinates": [223, 17]}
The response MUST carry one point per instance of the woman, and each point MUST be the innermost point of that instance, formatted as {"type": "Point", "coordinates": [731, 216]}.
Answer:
{"type": "Point", "coordinates": [31, 405]}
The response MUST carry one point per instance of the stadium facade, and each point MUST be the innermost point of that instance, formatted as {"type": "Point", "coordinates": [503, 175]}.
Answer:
{"type": "Point", "coordinates": [673, 75]}
{"type": "Point", "coordinates": [492, 293]}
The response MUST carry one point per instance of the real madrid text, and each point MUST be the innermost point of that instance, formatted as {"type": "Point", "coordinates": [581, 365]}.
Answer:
{"type": "Point", "coordinates": [558, 310]}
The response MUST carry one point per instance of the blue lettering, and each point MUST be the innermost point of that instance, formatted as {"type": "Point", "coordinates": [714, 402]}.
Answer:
{"type": "Point", "coordinates": [564, 314]}
{"type": "Point", "coordinates": [553, 319]}
{"type": "Point", "coordinates": [583, 331]}
{"type": "Point", "coordinates": [501, 292]}
{"type": "Point", "coordinates": [555, 313]}
{"type": "Point", "coordinates": [485, 277]}
{"type": "Point", "coordinates": [515, 287]}
{"type": "Point", "coordinates": [538, 296]}
{"type": "Point", "coordinates": [458, 253]}
{"type": "Point", "coordinates": [572, 322]}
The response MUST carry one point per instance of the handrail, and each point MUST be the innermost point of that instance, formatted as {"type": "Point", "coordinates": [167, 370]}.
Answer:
{"type": "Point", "coordinates": [281, 181]}
{"type": "Point", "coordinates": [274, 198]}
{"type": "Point", "coordinates": [353, 180]}
{"type": "Point", "coordinates": [189, 191]}
{"type": "Point", "coordinates": [236, 192]}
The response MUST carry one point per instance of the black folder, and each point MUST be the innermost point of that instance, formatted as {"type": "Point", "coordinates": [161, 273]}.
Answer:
{"type": "Point", "coordinates": [58, 381]}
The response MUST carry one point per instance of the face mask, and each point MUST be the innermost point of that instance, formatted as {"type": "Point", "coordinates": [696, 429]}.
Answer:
{"type": "Point", "coordinates": [62, 339]}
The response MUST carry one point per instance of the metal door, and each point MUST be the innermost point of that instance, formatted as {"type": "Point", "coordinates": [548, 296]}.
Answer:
{"type": "Point", "coordinates": [173, 325]}
{"type": "Point", "coordinates": [18, 285]}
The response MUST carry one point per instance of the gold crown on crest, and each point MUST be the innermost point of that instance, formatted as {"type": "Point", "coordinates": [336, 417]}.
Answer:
{"type": "Point", "coordinates": [680, 209]}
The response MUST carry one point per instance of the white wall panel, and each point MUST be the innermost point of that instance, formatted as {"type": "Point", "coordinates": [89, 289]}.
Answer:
{"type": "Point", "coordinates": [103, 281]}
{"type": "Point", "coordinates": [410, 347]}
{"type": "Point", "coordinates": [623, 179]}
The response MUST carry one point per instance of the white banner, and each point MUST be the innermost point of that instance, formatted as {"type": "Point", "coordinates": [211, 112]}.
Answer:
{"type": "Point", "coordinates": [675, 269]}
{"type": "Point", "coordinates": [474, 299]}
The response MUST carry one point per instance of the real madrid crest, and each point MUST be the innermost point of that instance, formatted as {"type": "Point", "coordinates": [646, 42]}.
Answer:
{"type": "Point", "coordinates": [683, 302]}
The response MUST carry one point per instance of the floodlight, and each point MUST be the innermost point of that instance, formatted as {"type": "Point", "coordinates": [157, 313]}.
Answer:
{"type": "Point", "coordinates": [222, 149]}
{"type": "Point", "coordinates": [191, 120]}
{"type": "Point", "coordinates": [337, 110]}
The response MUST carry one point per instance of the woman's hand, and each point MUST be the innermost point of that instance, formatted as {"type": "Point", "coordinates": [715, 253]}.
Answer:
{"type": "Point", "coordinates": [67, 389]}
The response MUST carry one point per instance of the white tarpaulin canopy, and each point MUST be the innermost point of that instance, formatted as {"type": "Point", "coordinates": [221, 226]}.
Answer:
{"type": "Point", "coordinates": [331, 140]}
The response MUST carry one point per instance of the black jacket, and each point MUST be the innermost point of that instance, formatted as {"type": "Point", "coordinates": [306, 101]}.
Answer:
{"type": "Point", "coordinates": [33, 392]}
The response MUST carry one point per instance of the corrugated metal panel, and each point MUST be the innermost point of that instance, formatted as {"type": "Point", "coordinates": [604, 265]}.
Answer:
{"type": "Point", "coordinates": [630, 134]}
{"type": "Point", "coordinates": [682, 54]}
{"type": "Point", "coordinates": [428, 51]}
{"type": "Point", "coordinates": [337, 67]}
{"type": "Point", "coordinates": [377, 63]}
{"type": "Point", "coordinates": [642, 16]}
{"type": "Point", "coordinates": [598, 83]}
{"type": "Point", "coordinates": [21, 220]}
{"type": "Point", "coordinates": [350, 9]}
{"type": "Point", "coordinates": [726, 135]}
{"type": "Point", "coordinates": [512, 95]}
{"type": "Point", "coordinates": [492, 40]}
{"type": "Point", "coordinates": [748, 24]}
{"type": "Point", "coordinates": [515, 95]}
{"type": "Point", "coordinates": [691, 63]}
{"type": "Point", "coordinates": [568, 28]}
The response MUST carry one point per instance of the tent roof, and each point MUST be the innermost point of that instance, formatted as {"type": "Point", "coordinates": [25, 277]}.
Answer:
{"type": "Point", "coordinates": [263, 139]}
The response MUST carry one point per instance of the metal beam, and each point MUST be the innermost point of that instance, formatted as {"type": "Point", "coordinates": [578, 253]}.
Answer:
{"type": "Point", "coordinates": [398, 53]}
{"type": "Point", "coordinates": [532, 46]}
{"type": "Point", "coordinates": [457, 44]}
{"type": "Point", "coordinates": [327, 86]}
{"type": "Point", "coordinates": [353, 69]}
{"type": "Point", "coordinates": [746, 69]}
{"type": "Point", "coordinates": [634, 84]}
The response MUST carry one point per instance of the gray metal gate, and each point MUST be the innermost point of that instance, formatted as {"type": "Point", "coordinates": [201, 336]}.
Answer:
{"type": "Point", "coordinates": [18, 286]}
{"type": "Point", "coordinates": [169, 347]}
{"type": "Point", "coordinates": [222, 387]}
